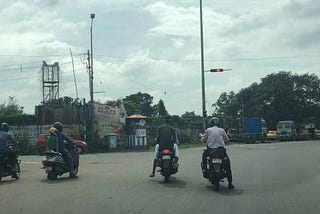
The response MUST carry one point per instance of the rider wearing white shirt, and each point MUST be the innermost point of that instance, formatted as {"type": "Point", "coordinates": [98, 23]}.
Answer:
{"type": "Point", "coordinates": [216, 138]}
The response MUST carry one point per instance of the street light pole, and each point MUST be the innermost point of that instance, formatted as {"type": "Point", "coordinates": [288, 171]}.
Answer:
{"type": "Point", "coordinates": [92, 16]}
{"type": "Point", "coordinates": [204, 112]}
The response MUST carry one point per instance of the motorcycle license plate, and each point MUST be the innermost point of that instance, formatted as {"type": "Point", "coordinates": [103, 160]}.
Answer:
{"type": "Point", "coordinates": [166, 157]}
{"type": "Point", "coordinates": [216, 161]}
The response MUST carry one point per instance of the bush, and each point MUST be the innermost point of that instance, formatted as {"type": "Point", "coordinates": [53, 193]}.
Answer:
{"type": "Point", "coordinates": [185, 138]}
{"type": "Point", "coordinates": [24, 147]}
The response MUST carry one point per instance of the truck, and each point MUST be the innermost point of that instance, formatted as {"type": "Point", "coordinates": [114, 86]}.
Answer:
{"type": "Point", "coordinates": [254, 129]}
{"type": "Point", "coordinates": [286, 130]}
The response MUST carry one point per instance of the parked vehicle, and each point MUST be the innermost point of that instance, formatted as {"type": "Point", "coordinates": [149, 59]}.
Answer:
{"type": "Point", "coordinates": [317, 134]}
{"type": "Point", "coordinates": [235, 135]}
{"type": "Point", "coordinates": [286, 130]}
{"type": "Point", "coordinates": [9, 170]}
{"type": "Point", "coordinates": [216, 171]}
{"type": "Point", "coordinates": [254, 129]}
{"type": "Point", "coordinates": [272, 135]}
{"type": "Point", "coordinates": [304, 134]}
{"type": "Point", "coordinates": [42, 144]}
{"type": "Point", "coordinates": [168, 164]}
{"type": "Point", "coordinates": [54, 164]}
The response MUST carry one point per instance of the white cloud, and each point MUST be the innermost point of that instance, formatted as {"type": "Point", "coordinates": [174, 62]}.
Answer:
{"type": "Point", "coordinates": [154, 46]}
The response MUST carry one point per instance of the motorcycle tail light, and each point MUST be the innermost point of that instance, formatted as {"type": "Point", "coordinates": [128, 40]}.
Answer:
{"type": "Point", "coordinates": [217, 155]}
{"type": "Point", "coordinates": [166, 151]}
{"type": "Point", "coordinates": [49, 159]}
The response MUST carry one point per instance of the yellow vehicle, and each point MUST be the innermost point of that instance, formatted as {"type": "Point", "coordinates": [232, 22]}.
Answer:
{"type": "Point", "coordinates": [272, 135]}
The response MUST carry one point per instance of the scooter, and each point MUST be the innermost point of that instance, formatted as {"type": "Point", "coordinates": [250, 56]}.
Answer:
{"type": "Point", "coordinates": [7, 169]}
{"type": "Point", "coordinates": [54, 164]}
{"type": "Point", "coordinates": [216, 172]}
{"type": "Point", "coordinates": [168, 164]}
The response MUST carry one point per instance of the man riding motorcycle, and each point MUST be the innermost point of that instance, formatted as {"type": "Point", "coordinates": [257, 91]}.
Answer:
{"type": "Point", "coordinates": [5, 140]}
{"type": "Point", "coordinates": [65, 153]}
{"type": "Point", "coordinates": [166, 139]}
{"type": "Point", "coordinates": [216, 138]}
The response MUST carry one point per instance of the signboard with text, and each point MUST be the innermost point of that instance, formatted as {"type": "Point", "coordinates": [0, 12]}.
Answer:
{"type": "Point", "coordinates": [109, 119]}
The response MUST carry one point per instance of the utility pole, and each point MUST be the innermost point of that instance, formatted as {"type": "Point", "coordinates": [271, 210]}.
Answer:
{"type": "Point", "coordinates": [204, 111]}
{"type": "Point", "coordinates": [84, 119]}
{"type": "Point", "coordinates": [90, 73]}
{"type": "Point", "coordinates": [90, 104]}
{"type": "Point", "coordinates": [92, 16]}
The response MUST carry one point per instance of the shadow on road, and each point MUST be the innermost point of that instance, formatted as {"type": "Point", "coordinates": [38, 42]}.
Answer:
{"type": "Point", "coordinates": [225, 191]}
{"type": "Point", "coordinates": [11, 181]}
{"type": "Point", "coordinates": [173, 182]}
{"type": "Point", "coordinates": [105, 162]}
{"type": "Point", "coordinates": [59, 180]}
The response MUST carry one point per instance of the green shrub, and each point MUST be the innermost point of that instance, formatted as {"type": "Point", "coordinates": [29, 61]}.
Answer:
{"type": "Point", "coordinates": [24, 146]}
{"type": "Point", "coordinates": [185, 138]}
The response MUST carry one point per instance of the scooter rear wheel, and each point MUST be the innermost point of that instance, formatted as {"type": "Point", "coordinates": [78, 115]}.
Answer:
{"type": "Point", "coordinates": [16, 174]}
{"type": "Point", "coordinates": [75, 171]}
{"type": "Point", "coordinates": [217, 185]}
{"type": "Point", "coordinates": [52, 175]}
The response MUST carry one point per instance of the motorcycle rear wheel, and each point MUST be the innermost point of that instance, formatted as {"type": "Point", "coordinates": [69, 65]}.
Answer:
{"type": "Point", "coordinates": [16, 174]}
{"type": "Point", "coordinates": [75, 171]}
{"type": "Point", "coordinates": [217, 185]}
{"type": "Point", "coordinates": [166, 178]}
{"type": "Point", "coordinates": [52, 175]}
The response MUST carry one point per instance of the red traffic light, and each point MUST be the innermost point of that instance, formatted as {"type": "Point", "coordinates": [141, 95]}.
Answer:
{"type": "Point", "coordinates": [216, 70]}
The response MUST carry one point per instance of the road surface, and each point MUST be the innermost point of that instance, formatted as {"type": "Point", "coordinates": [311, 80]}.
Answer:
{"type": "Point", "coordinates": [269, 178]}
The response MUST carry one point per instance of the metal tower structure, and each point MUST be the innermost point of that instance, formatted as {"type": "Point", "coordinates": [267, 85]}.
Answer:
{"type": "Point", "coordinates": [50, 82]}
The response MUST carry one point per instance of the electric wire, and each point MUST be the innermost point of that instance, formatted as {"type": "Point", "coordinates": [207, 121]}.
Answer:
{"type": "Point", "coordinates": [110, 58]}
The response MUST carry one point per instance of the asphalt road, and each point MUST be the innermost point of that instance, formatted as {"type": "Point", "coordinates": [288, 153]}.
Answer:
{"type": "Point", "coordinates": [269, 178]}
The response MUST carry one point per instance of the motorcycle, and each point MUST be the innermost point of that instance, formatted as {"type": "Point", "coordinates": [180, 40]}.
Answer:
{"type": "Point", "coordinates": [7, 169]}
{"type": "Point", "coordinates": [54, 164]}
{"type": "Point", "coordinates": [168, 164]}
{"type": "Point", "coordinates": [216, 172]}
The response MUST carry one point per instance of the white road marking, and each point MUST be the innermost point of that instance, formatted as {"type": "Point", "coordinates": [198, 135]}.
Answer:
{"type": "Point", "coordinates": [30, 162]}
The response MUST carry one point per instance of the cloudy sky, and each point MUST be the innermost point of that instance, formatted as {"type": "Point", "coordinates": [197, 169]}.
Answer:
{"type": "Point", "coordinates": [153, 47]}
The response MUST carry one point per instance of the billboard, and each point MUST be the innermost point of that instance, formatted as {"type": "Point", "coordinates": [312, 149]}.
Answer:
{"type": "Point", "coordinates": [109, 119]}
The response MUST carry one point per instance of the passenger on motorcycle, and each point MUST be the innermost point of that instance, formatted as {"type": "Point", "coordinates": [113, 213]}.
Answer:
{"type": "Point", "coordinates": [53, 140]}
{"type": "Point", "coordinates": [216, 138]}
{"type": "Point", "coordinates": [6, 140]}
{"type": "Point", "coordinates": [65, 153]}
{"type": "Point", "coordinates": [166, 139]}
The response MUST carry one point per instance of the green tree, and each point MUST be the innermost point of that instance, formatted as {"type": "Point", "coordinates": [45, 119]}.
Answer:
{"type": "Point", "coordinates": [191, 117]}
{"type": "Point", "coordinates": [228, 108]}
{"type": "Point", "coordinates": [161, 109]}
{"type": "Point", "coordinates": [188, 115]}
{"type": "Point", "coordinates": [131, 107]}
{"type": "Point", "coordinates": [144, 103]}
{"type": "Point", "coordinates": [11, 109]}
{"type": "Point", "coordinates": [279, 96]}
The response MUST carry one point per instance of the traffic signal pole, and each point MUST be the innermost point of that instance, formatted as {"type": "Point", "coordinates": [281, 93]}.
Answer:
{"type": "Point", "coordinates": [204, 111]}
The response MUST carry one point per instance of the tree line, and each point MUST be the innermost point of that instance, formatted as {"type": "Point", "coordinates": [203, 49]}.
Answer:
{"type": "Point", "coordinates": [279, 96]}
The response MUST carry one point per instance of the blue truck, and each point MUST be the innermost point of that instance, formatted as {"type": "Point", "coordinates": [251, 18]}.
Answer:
{"type": "Point", "coordinates": [254, 129]}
